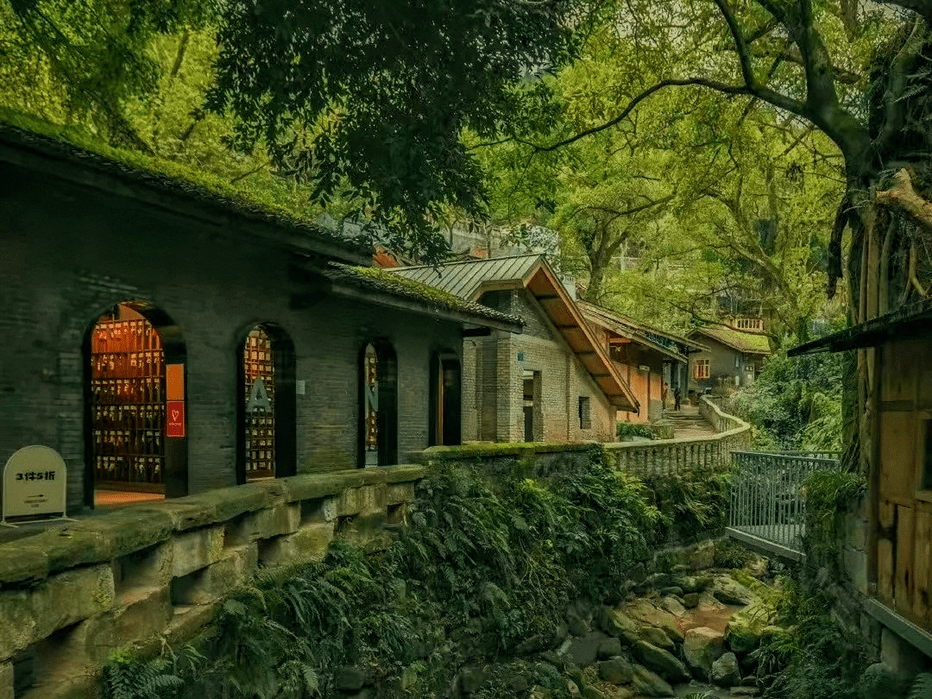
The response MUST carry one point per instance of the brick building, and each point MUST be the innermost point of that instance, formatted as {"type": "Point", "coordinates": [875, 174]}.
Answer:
{"type": "Point", "coordinates": [165, 340]}
{"type": "Point", "coordinates": [646, 357]}
{"type": "Point", "coordinates": [554, 382]}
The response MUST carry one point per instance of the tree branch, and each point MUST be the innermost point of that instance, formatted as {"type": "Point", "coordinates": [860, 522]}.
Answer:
{"type": "Point", "coordinates": [904, 197]}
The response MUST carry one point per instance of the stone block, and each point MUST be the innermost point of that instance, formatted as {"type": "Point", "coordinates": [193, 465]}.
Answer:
{"type": "Point", "coordinates": [901, 657]}
{"type": "Point", "coordinates": [151, 567]}
{"type": "Point", "coordinates": [307, 545]}
{"type": "Point", "coordinates": [27, 616]}
{"type": "Point", "coordinates": [197, 549]}
{"type": "Point", "coordinates": [143, 612]}
{"type": "Point", "coordinates": [217, 580]}
{"type": "Point", "coordinates": [397, 493]}
{"type": "Point", "coordinates": [22, 563]}
{"type": "Point", "coordinates": [275, 521]}
{"type": "Point", "coordinates": [856, 531]}
{"type": "Point", "coordinates": [6, 680]}
{"type": "Point", "coordinates": [855, 564]}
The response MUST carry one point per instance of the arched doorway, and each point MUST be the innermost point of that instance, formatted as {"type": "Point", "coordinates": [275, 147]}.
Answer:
{"type": "Point", "coordinates": [266, 436]}
{"type": "Point", "coordinates": [379, 405]}
{"type": "Point", "coordinates": [135, 427]}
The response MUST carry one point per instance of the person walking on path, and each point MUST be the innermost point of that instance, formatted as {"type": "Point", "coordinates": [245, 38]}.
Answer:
{"type": "Point", "coordinates": [676, 398]}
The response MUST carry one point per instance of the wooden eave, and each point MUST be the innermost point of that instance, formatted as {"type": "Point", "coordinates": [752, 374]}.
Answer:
{"type": "Point", "coordinates": [567, 318]}
{"type": "Point", "coordinates": [622, 336]}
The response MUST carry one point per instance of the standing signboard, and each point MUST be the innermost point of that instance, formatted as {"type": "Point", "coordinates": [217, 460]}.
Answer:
{"type": "Point", "coordinates": [34, 484]}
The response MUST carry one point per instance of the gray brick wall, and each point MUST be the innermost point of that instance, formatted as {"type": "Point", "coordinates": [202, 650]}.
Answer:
{"type": "Point", "coordinates": [69, 253]}
{"type": "Point", "coordinates": [498, 383]}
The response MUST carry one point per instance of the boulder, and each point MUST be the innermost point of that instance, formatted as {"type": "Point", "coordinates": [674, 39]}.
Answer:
{"type": "Point", "coordinates": [649, 684]}
{"type": "Point", "coordinates": [658, 637]}
{"type": "Point", "coordinates": [673, 590]}
{"type": "Point", "coordinates": [643, 611]}
{"type": "Point", "coordinates": [615, 671]}
{"type": "Point", "coordinates": [673, 605]}
{"type": "Point", "coordinates": [729, 592]}
{"type": "Point", "coordinates": [744, 691]}
{"type": "Point", "coordinates": [702, 647]}
{"type": "Point", "coordinates": [583, 651]}
{"type": "Point", "coordinates": [702, 555]}
{"type": "Point", "coordinates": [660, 661]}
{"type": "Point", "coordinates": [878, 680]}
{"type": "Point", "coordinates": [744, 631]}
{"type": "Point", "coordinates": [609, 648]}
{"type": "Point", "coordinates": [615, 622]}
{"type": "Point", "coordinates": [691, 600]}
{"type": "Point", "coordinates": [725, 671]}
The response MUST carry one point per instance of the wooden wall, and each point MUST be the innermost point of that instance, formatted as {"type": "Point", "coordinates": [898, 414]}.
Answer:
{"type": "Point", "coordinates": [904, 509]}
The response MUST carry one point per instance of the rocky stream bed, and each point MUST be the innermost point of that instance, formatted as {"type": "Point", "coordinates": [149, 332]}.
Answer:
{"type": "Point", "coordinates": [690, 631]}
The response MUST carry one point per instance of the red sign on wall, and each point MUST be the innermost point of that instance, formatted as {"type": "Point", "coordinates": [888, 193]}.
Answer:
{"type": "Point", "coordinates": [174, 419]}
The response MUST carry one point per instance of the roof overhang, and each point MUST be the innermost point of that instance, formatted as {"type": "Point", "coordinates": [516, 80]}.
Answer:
{"type": "Point", "coordinates": [730, 345]}
{"type": "Point", "coordinates": [565, 315]}
{"type": "Point", "coordinates": [906, 323]}
{"type": "Point", "coordinates": [625, 334]}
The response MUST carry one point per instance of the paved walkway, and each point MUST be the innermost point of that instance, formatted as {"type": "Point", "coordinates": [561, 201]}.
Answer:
{"type": "Point", "coordinates": [687, 422]}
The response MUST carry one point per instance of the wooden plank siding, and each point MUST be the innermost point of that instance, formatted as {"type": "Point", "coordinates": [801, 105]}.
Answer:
{"type": "Point", "coordinates": [904, 510]}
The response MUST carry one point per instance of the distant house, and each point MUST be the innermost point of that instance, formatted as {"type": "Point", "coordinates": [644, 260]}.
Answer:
{"type": "Point", "coordinates": [735, 354]}
{"type": "Point", "coordinates": [554, 382]}
{"type": "Point", "coordinates": [647, 358]}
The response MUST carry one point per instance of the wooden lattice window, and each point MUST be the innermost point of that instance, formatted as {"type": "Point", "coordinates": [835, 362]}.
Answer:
{"type": "Point", "coordinates": [585, 413]}
{"type": "Point", "coordinates": [260, 405]}
{"type": "Point", "coordinates": [701, 369]}
{"type": "Point", "coordinates": [127, 403]}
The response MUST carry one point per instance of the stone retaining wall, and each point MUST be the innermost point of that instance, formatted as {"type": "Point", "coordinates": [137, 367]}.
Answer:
{"type": "Point", "coordinates": [155, 572]}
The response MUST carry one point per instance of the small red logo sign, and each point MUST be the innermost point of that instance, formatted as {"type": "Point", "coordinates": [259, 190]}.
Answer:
{"type": "Point", "coordinates": [174, 419]}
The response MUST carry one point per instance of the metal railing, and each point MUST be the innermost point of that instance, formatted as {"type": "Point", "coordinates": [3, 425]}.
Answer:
{"type": "Point", "coordinates": [766, 498]}
{"type": "Point", "coordinates": [664, 457]}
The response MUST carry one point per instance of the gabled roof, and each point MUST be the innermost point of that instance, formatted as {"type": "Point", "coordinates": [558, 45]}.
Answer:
{"type": "Point", "coordinates": [657, 340]}
{"type": "Point", "coordinates": [749, 343]}
{"type": "Point", "coordinates": [469, 279]}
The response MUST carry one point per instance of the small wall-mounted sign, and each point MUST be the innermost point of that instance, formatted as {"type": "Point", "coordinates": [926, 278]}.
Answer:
{"type": "Point", "coordinates": [300, 386]}
{"type": "Point", "coordinates": [174, 419]}
{"type": "Point", "coordinates": [34, 483]}
{"type": "Point", "coordinates": [644, 367]}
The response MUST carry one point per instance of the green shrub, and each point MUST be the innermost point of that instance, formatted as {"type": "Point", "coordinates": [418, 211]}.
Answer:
{"type": "Point", "coordinates": [625, 430]}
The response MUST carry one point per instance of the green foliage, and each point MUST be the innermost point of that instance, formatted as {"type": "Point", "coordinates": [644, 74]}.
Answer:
{"type": "Point", "coordinates": [827, 494]}
{"type": "Point", "coordinates": [921, 687]}
{"type": "Point", "coordinates": [795, 403]}
{"type": "Point", "coordinates": [623, 430]}
{"type": "Point", "coordinates": [811, 657]}
{"type": "Point", "coordinates": [693, 502]}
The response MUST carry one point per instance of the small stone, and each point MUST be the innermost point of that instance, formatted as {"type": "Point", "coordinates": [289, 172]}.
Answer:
{"type": "Point", "coordinates": [572, 688]}
{"type": "Point", "coordinates": [672, 590]}
{"type": "Point", "coordinates": [349, 679]}
{"type": "Point", "coordinates": [652, 634]}
{"type": "Point", "coordinates": [660, 661]}
{"type": "Point", "coordinates": [672, 605]}
{"type": "Point", "coordinates": [583, 651]}
{"type": "Point", "coordinates": [743, 691]}
{"type": "Point", "coordinates": [725, 672]}
{"type": "Point", "coordinates": [650, 684]}
{"type": "Point", "coordinates": [615, 671]}
{"type": "Point", "coordinates": [691, 600]}
{"type": "Point", "coordinates": [609, 648]}
{"type": "Point", "coordinates": [531, 644]}
{"type": "Point", "coordinates": [749, 681]}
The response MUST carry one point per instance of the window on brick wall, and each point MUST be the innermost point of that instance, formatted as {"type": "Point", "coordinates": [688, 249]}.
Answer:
{"type": "Point", "coordinates": [701, 369]}
{"type": "Point", "coordinates": [585, 413]}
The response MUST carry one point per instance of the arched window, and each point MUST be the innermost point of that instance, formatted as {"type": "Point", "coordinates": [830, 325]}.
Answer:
{"type": "Point", "coordinates": [266, 436]}
{"type": "Point", "coordinates": [378, 444]}
{"type": "Point", "coordinates": [136, 425]}
{"type": "Point", "coordinates": [445, 399]}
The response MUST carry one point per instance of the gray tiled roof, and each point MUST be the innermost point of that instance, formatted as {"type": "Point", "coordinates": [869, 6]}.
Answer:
{"type": "Point", "coordinates": [466, 278]}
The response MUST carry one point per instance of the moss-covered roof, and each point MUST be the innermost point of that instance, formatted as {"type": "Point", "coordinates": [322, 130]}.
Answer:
{"type": "Point", "coordinates": [378, 279]}
{"type": "Point", "coordinates": [751, 343]}
{"type": "Point", "coordinates": [80, 147]}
